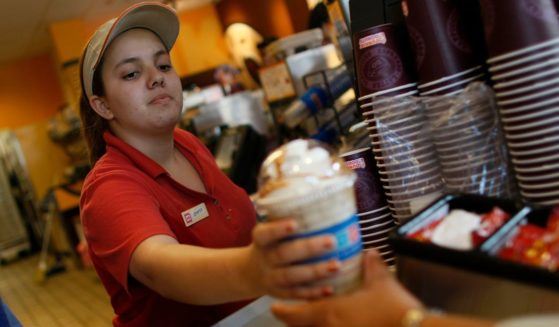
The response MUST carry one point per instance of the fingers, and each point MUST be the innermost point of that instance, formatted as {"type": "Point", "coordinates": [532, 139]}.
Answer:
{"type": "Point", "coordinates": [301, 249]}
{"type": "Point", "coordinates": [268, 233]}
{"type": "Point", "coordinates": [304, 292]}
{"type": "Point", "coordinates": [375, 268]}
{"type": "Point", "coordinates": [268, 236]}
{"type": "Point", "coordinates": [300, 274]}
{"type": "Point", "coordinates": [304, 314]}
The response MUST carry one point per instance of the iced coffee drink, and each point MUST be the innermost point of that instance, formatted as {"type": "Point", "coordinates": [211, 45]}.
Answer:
{"type": "Point", "coordinates": [305, 181]}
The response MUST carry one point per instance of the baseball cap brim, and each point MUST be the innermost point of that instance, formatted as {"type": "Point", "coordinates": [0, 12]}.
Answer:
{"type": "Point", "coordinates": [156, 17]}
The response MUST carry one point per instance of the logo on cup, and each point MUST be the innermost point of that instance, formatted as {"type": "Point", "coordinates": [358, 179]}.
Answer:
{"type": "Point", "coordinates": [488, 17]}
{"type": "Point", "coordinates": [536, 9]}
{"type": "Point", "coordinates": [456, 33]}
{"type": "Point", "coordinates": [358, 163]}
{"type": "Point", "coordinates": [382, 68]}
{"type": "Point", "coordinates": [353, 233]}
{"type": "Point", "coordinates": [370, 40]}
{"type": "Point", "coordinates": [418, 45]}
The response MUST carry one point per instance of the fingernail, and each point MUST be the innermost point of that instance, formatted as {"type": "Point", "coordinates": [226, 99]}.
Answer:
{"type": "Point", "coordinates": [330, 243]}
{"type": "Point", "coordinates": [291, 227]}
{"type": "Point", "coordinates": [333, 266]}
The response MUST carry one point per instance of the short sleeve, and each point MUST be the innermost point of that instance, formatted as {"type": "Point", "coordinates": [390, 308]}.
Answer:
{"type": "Point", "coordinates": [118, 212]}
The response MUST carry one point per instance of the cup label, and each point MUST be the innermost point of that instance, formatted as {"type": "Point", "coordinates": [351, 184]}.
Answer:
{"type": "Point", "coordinates": [370, 40]}
{"type": "Point", "coordinates": [348, 239]}
{"type": "Point", "coordinates": [358, 163]}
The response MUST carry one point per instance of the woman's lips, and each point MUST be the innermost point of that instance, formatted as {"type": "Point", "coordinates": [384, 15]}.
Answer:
{"type": "Point", "coordinates": [161, 99]}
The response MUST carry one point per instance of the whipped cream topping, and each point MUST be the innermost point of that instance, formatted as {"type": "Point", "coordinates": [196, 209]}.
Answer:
{"type": "Point", "coordinates": [298, 168]}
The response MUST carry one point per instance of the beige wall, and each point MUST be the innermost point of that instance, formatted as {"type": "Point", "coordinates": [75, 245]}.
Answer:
{"type": "Point", "coordinates": [45, 160]}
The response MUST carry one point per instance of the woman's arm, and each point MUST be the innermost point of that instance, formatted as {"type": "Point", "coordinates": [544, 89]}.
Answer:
{"type": "Point", "coordinates": [205, 276]}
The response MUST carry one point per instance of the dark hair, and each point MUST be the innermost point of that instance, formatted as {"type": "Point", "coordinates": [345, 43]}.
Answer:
{"type": "Point", "coordinates": [93, 125]}
{"type": "Point", "coordinates": [318, 16]}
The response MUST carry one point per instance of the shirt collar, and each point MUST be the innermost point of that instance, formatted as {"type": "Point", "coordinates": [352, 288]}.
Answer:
{"type": "Point", "coordinates": [140, 160]}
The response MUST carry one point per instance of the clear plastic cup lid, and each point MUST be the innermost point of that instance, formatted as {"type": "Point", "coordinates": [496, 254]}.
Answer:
{"type": "Point", "coordinates": [300, 170]}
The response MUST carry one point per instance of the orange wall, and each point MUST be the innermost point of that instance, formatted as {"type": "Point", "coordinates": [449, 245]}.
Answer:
{"type": "Point", "coordinates": [269, 17]}
{"type": "Point", "coordinates": [29, 91]}
{"type": "Point", "coordinates": [30, 94]}
{"type": "Point", "coordinates": [200, 45]}
{"type": "Point", "coordinates": [68, 38]}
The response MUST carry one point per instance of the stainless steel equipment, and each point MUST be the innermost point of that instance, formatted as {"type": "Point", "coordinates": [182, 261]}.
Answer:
{"type": "Point", "coordinates": [19, 230]}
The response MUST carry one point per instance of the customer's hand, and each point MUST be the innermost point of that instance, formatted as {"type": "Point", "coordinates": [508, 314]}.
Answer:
{"type": "Point", "coordinates": [382, 301]}
{"type": "Point", "coordinates": [272, 261]}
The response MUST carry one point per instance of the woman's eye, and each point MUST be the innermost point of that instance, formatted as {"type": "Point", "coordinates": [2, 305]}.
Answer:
{"type": "Point", "coordinates": [165, 67]}
{"type": "Point", "coordinates": [130, 76]}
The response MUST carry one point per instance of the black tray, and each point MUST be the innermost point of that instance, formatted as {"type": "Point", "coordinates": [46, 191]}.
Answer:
{"type": "Point", "coordinates": [537, 215]}
{"type": "Point", "coordinates": [479, 260]}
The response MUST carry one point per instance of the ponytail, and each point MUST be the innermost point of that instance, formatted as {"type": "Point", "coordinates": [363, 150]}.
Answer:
{"type": "Point", "coordinates": [93, 125]}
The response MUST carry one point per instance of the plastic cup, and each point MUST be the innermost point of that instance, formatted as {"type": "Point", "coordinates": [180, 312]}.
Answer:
{"type": "Point", "coordinates": [308, 182]}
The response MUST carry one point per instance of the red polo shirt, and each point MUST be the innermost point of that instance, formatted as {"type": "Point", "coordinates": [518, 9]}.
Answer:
{"type": "Point", "coordinates": [127, 197]}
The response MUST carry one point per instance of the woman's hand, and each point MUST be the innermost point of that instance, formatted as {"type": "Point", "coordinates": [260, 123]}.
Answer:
{"type": "Point", "coordinates": [382, 301]}
{"type": "Point", "coordinates": [272, 261]}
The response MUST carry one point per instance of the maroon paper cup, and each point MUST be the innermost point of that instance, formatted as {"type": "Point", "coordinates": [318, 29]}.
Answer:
{"type": "Point", "coordinates": [395, 91]}
{"type": "Point", "coordinates": [376, 243]}
{"type": "Point", "coordinates": [380, 248]}
{"type": "Point", "coordinates": [450, 79]}
{"type": "Point", "coordinates": [526, 73]}
{"type": "Point", "coordinates": [535, 75]}
{"type": "Point", "coordinates": [368, 188]}
{"type": "Point", "coordinates": [443, 36]}
{"type": "Point", "coordinates": [453, 83]}
{"type": "Point", "coordinates": [547, 198]}
{"type": "Point", "coordinates": [534, 87]}
{"type": "Point", "coordinates": [455, 87]}
{"type": "Point", "coordinates": [535, 100]}
{"type": "Point", "coordinates": [513, 25]}
{"type": "Point", "coordinates": [379, 235]}
{"type": "Point", "coordinates": [550, 161]}
{"type": "Point", "coordinates": [373, 227]}
{"type": "Point", "coordinates": [381, 59]}
{"type": "Point", "coordinates": [547, 61]}
{"type": "Point", "coordinates": [543, 184]}
{"type": "Point", "coordinates": [547, 54]}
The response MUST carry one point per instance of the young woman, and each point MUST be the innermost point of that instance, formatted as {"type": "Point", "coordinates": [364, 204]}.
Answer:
{"type": "Point", "coordinates": [173, 240]}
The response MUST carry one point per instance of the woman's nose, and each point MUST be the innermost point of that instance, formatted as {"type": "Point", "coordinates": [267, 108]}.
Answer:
{"type": "Point", "coordinates": [157, 78]}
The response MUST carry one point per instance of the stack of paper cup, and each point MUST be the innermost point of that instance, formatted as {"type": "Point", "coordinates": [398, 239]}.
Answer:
{"type": "Point", "coordinates": [375, 220]}
{"type": "Point", "coordinates": [469, 142]}
{"type": "Point", "coordinates": [523, 44]}
{"type": "Point", "coordinates": [306, 181]}
{"type": "Point", "coordinates": [405, 157]}
{"type": "Point", "coordinates": [404, 153]}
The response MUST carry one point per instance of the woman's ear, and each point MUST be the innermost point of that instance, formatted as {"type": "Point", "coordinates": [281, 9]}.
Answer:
{"type": "Point", "coordinates": [101, 107]}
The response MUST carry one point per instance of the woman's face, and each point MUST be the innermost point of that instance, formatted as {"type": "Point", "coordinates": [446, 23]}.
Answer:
{"type": "Point", "coordinates": [143, 93]}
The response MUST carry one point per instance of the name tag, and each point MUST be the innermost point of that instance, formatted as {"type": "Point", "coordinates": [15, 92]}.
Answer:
{"type": "Point", "coordinates": [194, 214]}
